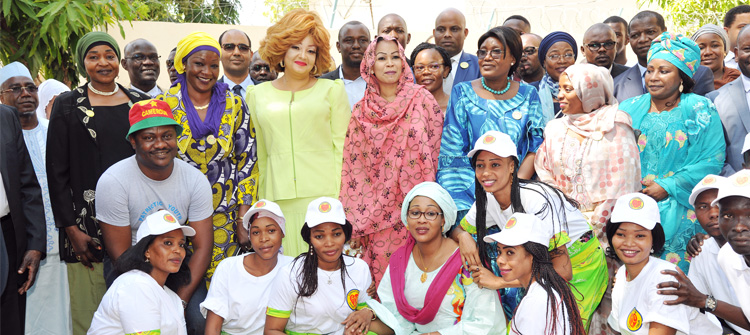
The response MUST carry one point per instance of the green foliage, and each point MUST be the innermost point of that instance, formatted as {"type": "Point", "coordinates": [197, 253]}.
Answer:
{"type": "Point", "coordinates": [689, 15]}
{"type": "Point", "coordinates": [197, 11]}
{"type": "Point", "coordinates": [277, 8]}
{"type": "Point", "coordinates": [43, 33]}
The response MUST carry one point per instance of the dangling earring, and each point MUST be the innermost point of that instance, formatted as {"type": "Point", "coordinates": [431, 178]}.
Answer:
{"type": "Point", "coordinates": [681, 87]}
{"type": "Point", "coordinates": [148, 260]}
{"type": "Point", "coordinates": [282, 63]}
{"type": "Point", "coordinates": [652, 250]}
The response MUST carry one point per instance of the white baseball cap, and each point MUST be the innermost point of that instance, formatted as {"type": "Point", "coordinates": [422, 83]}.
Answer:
{"type": "Point", "coordinates": [496, 142]}
{"type": "Point", "coordinates": [159, 223]}
{"type": "Point", "coordinates": [521, 228]}
{"type": "Point", "coordinates": [737, 184]}
{"type": "Point", "coordinates": [267, 209]}
{"type": "Point", "coordinates": [325, 209]}
{"type": "Point", "coordinates": [637, 208]}
{"type": "Point", "coordinates": [746, 145]}
{"type": "Point", "coordinates": [708, 182]}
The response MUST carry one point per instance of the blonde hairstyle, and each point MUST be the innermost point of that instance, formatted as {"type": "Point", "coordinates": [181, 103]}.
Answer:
{"type": "Point", "coordinates": [292, 29]}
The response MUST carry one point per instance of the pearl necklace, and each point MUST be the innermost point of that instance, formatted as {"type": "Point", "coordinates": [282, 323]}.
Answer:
{"type": "Point", "coordinates": [495, 91]}
{"type": "Point", "coordinates": [106, 94]}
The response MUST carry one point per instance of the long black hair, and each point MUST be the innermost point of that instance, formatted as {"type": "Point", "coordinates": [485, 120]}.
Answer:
{"type": "Point", "coordinates": [545, 275]}
{"type": "Point", "coordinates": [307, 284]}
{"type": "Point", "coordinates": [547, 191]}
{"type": "Point", "coordinates": [134, 258]}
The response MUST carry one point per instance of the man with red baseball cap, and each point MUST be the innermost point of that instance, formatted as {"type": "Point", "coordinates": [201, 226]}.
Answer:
{"type": "Point", "coordinates": [151, 180]}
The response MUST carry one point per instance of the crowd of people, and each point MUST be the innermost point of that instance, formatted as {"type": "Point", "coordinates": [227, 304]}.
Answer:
{"type": "Point", "coordinates": [516, 189]}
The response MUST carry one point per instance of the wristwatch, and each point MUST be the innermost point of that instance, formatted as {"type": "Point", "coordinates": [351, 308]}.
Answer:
{"type": "Point", "coordinates": [710, 304]}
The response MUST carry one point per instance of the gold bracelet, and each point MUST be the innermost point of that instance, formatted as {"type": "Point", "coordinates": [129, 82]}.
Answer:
{"type": "Point", "coordinates": [374, 316]}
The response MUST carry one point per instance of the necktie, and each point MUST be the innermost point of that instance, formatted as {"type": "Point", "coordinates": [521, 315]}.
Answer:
{"type": "Point", "coordinates": [237, 90]}
{"type": "Point", "coordinates": [643, 80]}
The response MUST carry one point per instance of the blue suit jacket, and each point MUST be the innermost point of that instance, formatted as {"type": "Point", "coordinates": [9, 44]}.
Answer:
{"type": "Point", "coordinates": [629, 83]}
{"type": "Point", "coordinates": [470, 73]}
{"type": "Point", "coordinates": [734, 112]}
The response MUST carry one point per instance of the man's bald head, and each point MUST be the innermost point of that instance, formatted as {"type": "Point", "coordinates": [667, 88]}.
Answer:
{"type": "Point", "coordinates": [450, 31]}
{"type": "Point", "coordinates": [599, 45]}
{"type": "Point", "coordinates": [351, 25]}
{"type": "Point", "coordinates": [394, 25]}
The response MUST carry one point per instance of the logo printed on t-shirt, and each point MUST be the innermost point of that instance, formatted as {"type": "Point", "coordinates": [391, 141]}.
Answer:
{"type": "Point", "coordinates": [636, 203]}
{"type": "Point", "coordinates": [324, 207]}
{"type": "Point", "coordinates": [635, 320]}
{"type": "Point", "coordinates": [510, 223]}
{"type": "Point", "coordinates": [169, 218]}
{"type": "Point", "coordinates": [489, 139]}
{"type": "Point", "coordinates": [351, 298]}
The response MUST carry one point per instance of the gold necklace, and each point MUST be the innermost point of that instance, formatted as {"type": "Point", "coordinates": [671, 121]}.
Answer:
{"type": "Point", "coordinates": [202, 107]}
{"type": "Point", "coordinates": [423, 278]}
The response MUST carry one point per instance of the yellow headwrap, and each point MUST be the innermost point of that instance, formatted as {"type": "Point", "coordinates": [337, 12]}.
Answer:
{"type": "Point", "coordinates": [192, 42]}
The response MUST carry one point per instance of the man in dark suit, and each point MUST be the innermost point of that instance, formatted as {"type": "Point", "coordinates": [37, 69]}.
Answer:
{"type": "Point", "coordinates": [21, 210]}
{"type": "Point", "coordinates": [599, 48]}
{"type": "Point", "coordinates": [732, 104]}
{"type": "Point", "coordinates": [450, 32]}
{"type": "Point", "coordinates": [644, 28]}
{"type": "Point", "coordinates": [354, 37]}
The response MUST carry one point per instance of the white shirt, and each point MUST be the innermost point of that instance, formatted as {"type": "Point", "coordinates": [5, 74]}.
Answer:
{"type": "Point", "coordinates": [635, 305]}
{"type": "Point", "coordinates": [244, 84]}
{"type": "Point", "coordinates": [153, 93]}
{"type": "Point", "coordinates": [746, 87]}
{"type": "Point", "coordinates": [136, 303]}
{"type": "Point", "coordinates": [239, 297]}
{"type": "Point", "coordinates": [448, 82]}
{"type": "Point", "coordinates": [707, 276]}
{"type": "Point", "coordinates": [643, 77]}
{"type": "Point", "coordinates": [738, 273]}
{"type": "Point", "coordinates": [323, 312]}
{"type": "Point", "coordinates": [355, 89]}
{"type": "Point", "coordinates": [534, 199]}
{"type": "Point", "coordinates": [729, 61]}
{"type": "Point", "coordinates": [532, 310]}
{"type": "Point", "coordinates": [4, 206]}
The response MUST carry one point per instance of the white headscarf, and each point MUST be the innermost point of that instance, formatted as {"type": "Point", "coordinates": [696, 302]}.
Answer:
{"type": "Point", "coordinates": [48, 90]}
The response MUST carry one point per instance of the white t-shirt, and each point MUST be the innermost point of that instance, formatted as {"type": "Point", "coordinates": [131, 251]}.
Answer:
{"type": "Point", "coordinates": [534, 199]}
{"type": "Point", "coordinates": [239, 297]}
{"type": "Point", "coordinates": [125, 196]}
{"type": "Point", "coordinates": [323, 312]}
{"type": "Point", "coordinates": [738, 273]}
{"type": "Point", "coordinates": [530, 314]}
{"type": "Point", "coordinates": [136, 303]}
{"type": "Point", "coordinates": [635, 305]}
{"type": "Point", "coordinates": [707, 276]}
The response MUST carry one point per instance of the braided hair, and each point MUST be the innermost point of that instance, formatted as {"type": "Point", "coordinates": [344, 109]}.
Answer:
{"type": "Point", "coordinates": [545, 275]}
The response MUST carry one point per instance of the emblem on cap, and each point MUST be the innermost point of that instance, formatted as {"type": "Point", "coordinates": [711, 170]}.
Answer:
{"type": "Point", "coordinates": [260, 204]}
{"type": "Point", "coordinates": [512, 222]}
{"type": "Point", "coordinates": [464, 65]}
{"type": "Point", "coordinates": [169, 218]}
{"type": "Point", "coordinates": [741, 181]}
{"type": "Point", "coordinates": [636, 203]}
{"type": "Point", "coordinates": [708, 180]}
{"type": "Point", "coordinates": [324, 207]}
{"type": "Point", "coordinates": [489, 139]}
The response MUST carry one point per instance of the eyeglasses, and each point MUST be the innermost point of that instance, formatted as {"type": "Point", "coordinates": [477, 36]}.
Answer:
{"type": "Point", "coordinates": [258, 68]}
{"type": "Point", "coordinates": [596, 46]}
{"type": "Point", "coordinates": [434, 67]}
{"type": "Point", "coordinates": [228, 47]}
{"type": "Point", "coordinates": [495, 53]}
{"type": "Point", "coordinates": [556, 57]}
{"type": "Point", "coordinates": [529, 51]}
{"type": "Point", "coordinates": [17, 90]}
{"type": "Point", "coordinates": [170, 63]}
{"type": "Point", "coordinates": [139, 58]}
{"type": "Point", "coordinates": [427, 215]}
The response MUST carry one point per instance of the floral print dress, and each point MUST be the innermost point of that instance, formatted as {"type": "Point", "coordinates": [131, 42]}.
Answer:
{"type": "Point", "coordinates": [677, 149]}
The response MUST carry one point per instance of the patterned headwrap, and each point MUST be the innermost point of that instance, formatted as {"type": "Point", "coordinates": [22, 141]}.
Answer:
{"type": "Point", "coordinates": [713, 29]}
{"type": "Point", "coordinates": [89, 41]}
{"type": "Point", "coordinates": [593, 85]}
{"type": "Point", "coordinates": [195, 42]}
{"type": "Point", "coordinates": [553, 38]}
{"type": "Point", "coordinates": [439, 195]}
{"type": "Point", "coordinates": [679, 50]}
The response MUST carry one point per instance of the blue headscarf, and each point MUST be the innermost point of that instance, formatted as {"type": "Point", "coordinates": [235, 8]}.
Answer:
{"type": "Point", "coordinates": [679, 50]}
{"type": "Point", "coordinates": [553, 38]}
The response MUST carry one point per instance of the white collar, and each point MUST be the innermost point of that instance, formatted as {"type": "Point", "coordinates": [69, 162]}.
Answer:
{"type": "Point", "coordinates": [457, 57]}
{"type": "Point", "coordinates": [642, 69]}
{"type": "Point", "coordinates": [745, 83]}
{"type": "Point", "coordinates": [245, 83]}
{"type": "Point", "coordinates": [153, 92]}
{"type": "Point", "coordinates": [341, 75]}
